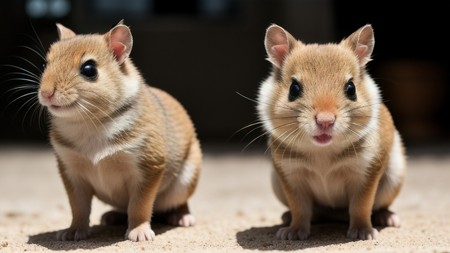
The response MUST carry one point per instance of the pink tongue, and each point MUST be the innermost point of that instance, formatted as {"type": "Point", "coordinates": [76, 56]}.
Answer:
{"type": "Point", "coordinates": [323, 138]}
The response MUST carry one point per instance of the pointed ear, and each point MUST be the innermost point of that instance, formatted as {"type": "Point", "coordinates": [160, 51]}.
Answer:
{"type": "Point", "coordinates": [64, 32]}
{"type": "Point", "coordinates": [121, 22]}
{"type": "Point", "coordinates": [278, 43]}
{"type": "Point", "coordinates": [120, 41]}
{"type": "Point", "coordinates": [362, 42]}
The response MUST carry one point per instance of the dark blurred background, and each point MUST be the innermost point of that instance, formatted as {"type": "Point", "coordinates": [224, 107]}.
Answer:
{"type": "Point", "coordinates": [205, 52]}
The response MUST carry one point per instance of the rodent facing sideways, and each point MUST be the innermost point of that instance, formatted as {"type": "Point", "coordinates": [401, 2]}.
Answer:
{"type": "Point", "coordinates": [132, 146]}
{"type": "Point", "coordinates": [334, 146]}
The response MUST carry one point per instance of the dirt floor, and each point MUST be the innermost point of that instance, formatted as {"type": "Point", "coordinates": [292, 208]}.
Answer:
{"type": "Point", "coordinates": [234, 205]}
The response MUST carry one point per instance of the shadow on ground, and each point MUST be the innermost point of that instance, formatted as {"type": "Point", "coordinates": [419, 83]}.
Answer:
{"type": "Point", "coordinates": [323, 234]}
{"type": "Point", "coordinates": [100, 236]}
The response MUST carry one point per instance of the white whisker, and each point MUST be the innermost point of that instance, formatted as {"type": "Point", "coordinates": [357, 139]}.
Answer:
{"type": "Point", "coordinates": [33, 50]}
{"type": "Point", "coordinates": [31, 75]}
{"type": "Point", "coordinates": [29, 62]}
{"type": "Point", "coordinates": [90, 116]}
{"type": "Point", "coordinates": [259, 102]}
{"type": "Point", "coordinates": [22, 69]}
{"type": "Point", "coordinates": [281, 135]}
{"type": "Point", "coordinates": [256, 123]}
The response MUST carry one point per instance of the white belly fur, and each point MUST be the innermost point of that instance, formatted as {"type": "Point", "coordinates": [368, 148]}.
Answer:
{"type": "Point", "coordinates": [331, 184]}
{"type": "Point", "coordinates": [327, 182]}
{"type": "Point", "coordinates": [111, 179]}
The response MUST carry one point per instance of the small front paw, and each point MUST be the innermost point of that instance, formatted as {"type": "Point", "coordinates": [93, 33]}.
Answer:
{"type": "Point", "coordinates": [289, 233]}
{"type": "Point", "coordinates": [72, 234]}
{"type": "Point", "coordinates": [140, 233]}
{"type": "Point", "coordinates": [367, 233]}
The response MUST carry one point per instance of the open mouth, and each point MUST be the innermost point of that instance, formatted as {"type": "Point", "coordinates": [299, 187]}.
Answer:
{"type": "Point", "coordinates": [58, 108]}
{"type": "Point", "coordinates": [323, 139]}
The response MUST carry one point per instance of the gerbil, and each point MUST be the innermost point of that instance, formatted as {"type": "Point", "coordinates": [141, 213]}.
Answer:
{"type": "Point", "coordinates": [131, 145]}
{"type": "Point", "coordinates": [333, 142]}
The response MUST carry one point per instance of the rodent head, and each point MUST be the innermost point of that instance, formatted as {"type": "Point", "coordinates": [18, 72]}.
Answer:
{"type": "Point", "coordinates": [87, 76]}
{"type": "Point", "coordinates": [318, 93]}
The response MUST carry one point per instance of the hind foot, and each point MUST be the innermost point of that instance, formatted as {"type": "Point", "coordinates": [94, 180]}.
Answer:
{"type": "Point", "coordinates": [114, 218]}
{"type": "Point", "coordinates": [179, 216]}
{"type": "Point", "coordinates": [286, 218]}
{"type": "Point", "coordinates": [385, 218]}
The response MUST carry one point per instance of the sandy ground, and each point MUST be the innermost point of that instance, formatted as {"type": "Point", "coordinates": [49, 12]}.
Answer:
{"type": "Point", "coordinates": [234, 205]}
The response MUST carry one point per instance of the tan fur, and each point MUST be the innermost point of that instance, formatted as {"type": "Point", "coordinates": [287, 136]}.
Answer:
{"type": "Point", "coordinates": [360, 165]}
{"type": "Point", "coordinates": [132, 146]}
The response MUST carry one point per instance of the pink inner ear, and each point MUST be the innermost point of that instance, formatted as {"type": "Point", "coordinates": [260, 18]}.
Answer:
{"type": "Point", "coordinates": [279, 52]}
{"type": "Point", "coordinates": [118, 50]}
{"type": "Point", "coordinates": [361, 52]}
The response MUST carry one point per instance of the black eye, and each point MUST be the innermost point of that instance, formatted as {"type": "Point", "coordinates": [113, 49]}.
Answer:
{"type": "Point", "coordinates": [44, 65]}
{"type": "Point", "coordinates": [89, 70]}
{"type": "Point", "coordinates": [350, 90]}
{"type": "Point", "coordinates": [295, 91]}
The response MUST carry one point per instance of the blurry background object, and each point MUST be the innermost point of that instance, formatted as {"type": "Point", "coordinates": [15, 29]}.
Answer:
{"type": "Point", "coordinates": [410, 63]}
{"type": "Point", "coordinates": [205, 52]}
{"type": "Point", "coordinates": [416, 91]}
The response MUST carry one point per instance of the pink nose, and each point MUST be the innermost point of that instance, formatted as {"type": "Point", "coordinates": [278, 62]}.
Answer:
{"type": "Point", "coordinates": [325, 120]}
{"type": "Point", "coordinates": [48, 94]}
